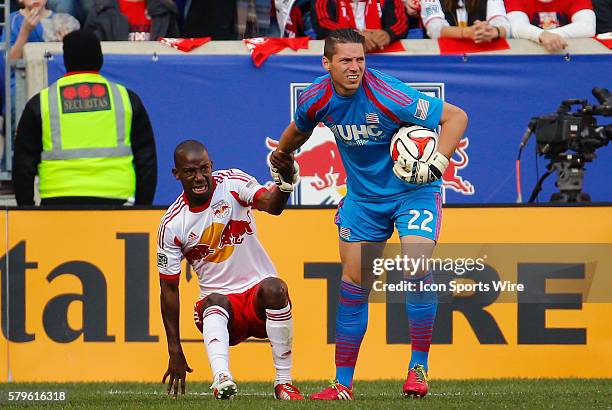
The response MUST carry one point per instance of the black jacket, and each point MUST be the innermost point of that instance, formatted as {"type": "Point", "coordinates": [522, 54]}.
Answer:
{"type": "Point", "coordinates": [28, 149]}
{"type": "Point", "coordinates": [603, 13]}
{"type": "Point", "coordinates": [480, 13]}
{"type": "Point", "coordinates": [211, 18]}
{"type": "Point", "coordinates": [394, 19]}
{"type": "Point", "coordinates": [109, 24]}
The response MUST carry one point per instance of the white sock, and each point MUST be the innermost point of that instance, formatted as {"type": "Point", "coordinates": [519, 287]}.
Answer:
{"type": "Point", "coordinates": [216, 339]}
{"type": "Point", "coordinates": [279, 326]}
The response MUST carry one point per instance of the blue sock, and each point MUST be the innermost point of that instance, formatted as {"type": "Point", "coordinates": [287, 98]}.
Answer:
{"type": "Point", "coordinates": [421, 307]}
{"type": "Point", "coordinates": [351, 324]}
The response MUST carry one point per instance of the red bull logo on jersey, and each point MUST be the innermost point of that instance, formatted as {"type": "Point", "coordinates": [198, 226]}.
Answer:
{"type": "Point", "coordinates": [234, 232]}
{"type": "Point", "coordinates": [200, 251]}
{"type": "Point", "coordinates": [219, 240]}
{"type": "Point", "coordinates": [221, 209]}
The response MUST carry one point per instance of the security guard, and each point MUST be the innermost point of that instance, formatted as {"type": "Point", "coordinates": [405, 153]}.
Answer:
{"type": "Point", "coordinates": [89, 140]}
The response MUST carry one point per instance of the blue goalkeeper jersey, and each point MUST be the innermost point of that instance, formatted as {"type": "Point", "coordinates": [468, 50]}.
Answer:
{"type": "Point", "coordinates": [363, 125]}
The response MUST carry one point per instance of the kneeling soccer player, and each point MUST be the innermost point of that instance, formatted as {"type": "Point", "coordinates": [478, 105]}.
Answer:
{"type": "Point", "coordinates": [211, 225]}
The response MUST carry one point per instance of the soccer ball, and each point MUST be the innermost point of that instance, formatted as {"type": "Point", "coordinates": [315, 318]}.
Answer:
{"type": "Point", "coordinates": [414, 142]}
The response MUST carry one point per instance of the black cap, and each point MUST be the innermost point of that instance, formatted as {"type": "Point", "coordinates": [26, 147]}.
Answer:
{"type": "Point", "coordinates": [82, 51]}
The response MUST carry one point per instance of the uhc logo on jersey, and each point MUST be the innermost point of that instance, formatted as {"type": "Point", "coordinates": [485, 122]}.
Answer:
{"type": "Point", "coordinates": [84, 97]}
{"type": "Point", "coordinates": [356, 134]}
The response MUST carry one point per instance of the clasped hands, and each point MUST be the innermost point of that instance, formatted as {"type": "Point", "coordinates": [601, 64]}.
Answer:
{"type": "Point", "coordinates": [284, 170]}
{"type": "Point", "coordinates": [418, 172]}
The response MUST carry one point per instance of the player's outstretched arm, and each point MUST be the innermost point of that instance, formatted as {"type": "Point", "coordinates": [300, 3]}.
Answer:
{"type": "Point", "coordinates": [177, 364]}
{"type": "Point", "coordinates": [272, 202]}
{"type": "Point", "coordinates": [285, 173]}
{"type": "Point", "coordinates": [453, 124]}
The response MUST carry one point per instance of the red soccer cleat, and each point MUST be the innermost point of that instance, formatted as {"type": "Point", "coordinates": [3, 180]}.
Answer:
{"type": "Point", "coordinates": [335, 391]}
{"type": "Point", "coordinates": [416, 382]}
{"type": "Point", "coordinates": [287, 391]}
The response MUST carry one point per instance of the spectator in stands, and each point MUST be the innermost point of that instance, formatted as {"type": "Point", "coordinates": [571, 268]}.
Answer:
{"type": "Point", "coordinates": [551, 22]}
{"type": "Point", "coordinates": [230, 19]}
{"type": "Point", "coordinates": [181, 5]}
{"type": "Point", "coordinates": [13, 6]}
{"type": "Point", "coordinates": [133, 20]}
{"type": "Point", "coordinates": [415, 26]}
{"type": "Point", "coordinates": [98, 148]}
{"type": "Point", "coordinates": [212, 18]}
{"type": "Point", "coordinates": [253, 18]}
{"type": "Point", "coordinates": [292, 18]}
{"type": "Point", "coordinates": [77, 8]}
{"type": "Point", "coordinates": [381, 22]}
{"type": "Point", "coordinates": [603, 13]}
{"type": "Point", "coordinates": [479, 20]}
{"type": "Point", "coordinates": [35, 23]}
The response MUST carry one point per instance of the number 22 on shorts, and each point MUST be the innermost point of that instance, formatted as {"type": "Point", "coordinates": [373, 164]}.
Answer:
{"type": "Point", "coordinates": [423, 226]}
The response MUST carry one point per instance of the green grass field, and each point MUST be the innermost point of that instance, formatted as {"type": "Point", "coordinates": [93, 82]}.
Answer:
{"type": "Point", "coordinates": [509, 393]}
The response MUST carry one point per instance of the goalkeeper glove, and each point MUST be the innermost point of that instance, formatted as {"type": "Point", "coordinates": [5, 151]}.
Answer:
{"type": "Point", "coordinates": [283, 185]}
{"type": "Point", "coordinates": [417, 172]}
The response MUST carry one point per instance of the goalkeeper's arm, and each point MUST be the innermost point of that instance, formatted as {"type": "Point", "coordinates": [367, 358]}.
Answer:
{"type": "Point", "coordinates": [453, 123]}
{"type": "Point", "coordinates": [452, 126]}
{"type": "Point", "coordinates": [291, 139]}
{"type": "Point", "coordinates": [284, 170]}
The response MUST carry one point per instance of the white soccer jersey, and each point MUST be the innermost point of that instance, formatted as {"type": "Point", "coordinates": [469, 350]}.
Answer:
{"type": "Point", "coordinates": [434, 20]}
{"type": "Point", "coordinates": [218, 239]}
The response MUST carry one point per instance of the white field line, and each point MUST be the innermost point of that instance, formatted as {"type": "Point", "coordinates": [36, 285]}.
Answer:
{"type": "Point", "coordinates": [259, 394]}
{"type": "Point", "coordinates": [163, 393]}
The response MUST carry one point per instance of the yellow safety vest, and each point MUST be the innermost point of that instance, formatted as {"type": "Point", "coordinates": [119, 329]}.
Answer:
{"type": "Point", "coordinates": [86, 124]}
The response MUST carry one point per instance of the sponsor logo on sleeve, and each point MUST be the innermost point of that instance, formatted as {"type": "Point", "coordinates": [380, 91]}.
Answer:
{"type": "Point", "coordinates": [162, 260]}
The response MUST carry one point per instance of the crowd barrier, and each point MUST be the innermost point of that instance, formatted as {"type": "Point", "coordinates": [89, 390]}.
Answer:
{"type": "Point", "coordinates": [217, 95]}
{"type": "Point", "coordinates": [80, 298]}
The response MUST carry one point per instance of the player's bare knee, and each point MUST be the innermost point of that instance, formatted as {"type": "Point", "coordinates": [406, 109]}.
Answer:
{"type": "Point", "coordinates": [274, 293]}
{"type": "Point", "coordinates": [352, 279]}
{"type": "Point", "coordinates": [216, 299]}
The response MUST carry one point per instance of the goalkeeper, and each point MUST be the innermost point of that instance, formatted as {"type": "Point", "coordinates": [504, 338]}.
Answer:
{"type": "Point", "coordinates": [364, 108]}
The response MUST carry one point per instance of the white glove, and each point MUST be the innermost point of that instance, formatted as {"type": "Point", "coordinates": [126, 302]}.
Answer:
{"type": "Point", "coordinates": [282, 184]}
{"type": "Point", "coordinates": [416, 172]}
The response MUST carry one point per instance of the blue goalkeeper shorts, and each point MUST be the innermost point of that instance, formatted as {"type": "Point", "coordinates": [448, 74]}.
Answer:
{"type": "Point", "coordinates": [418, 213]}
